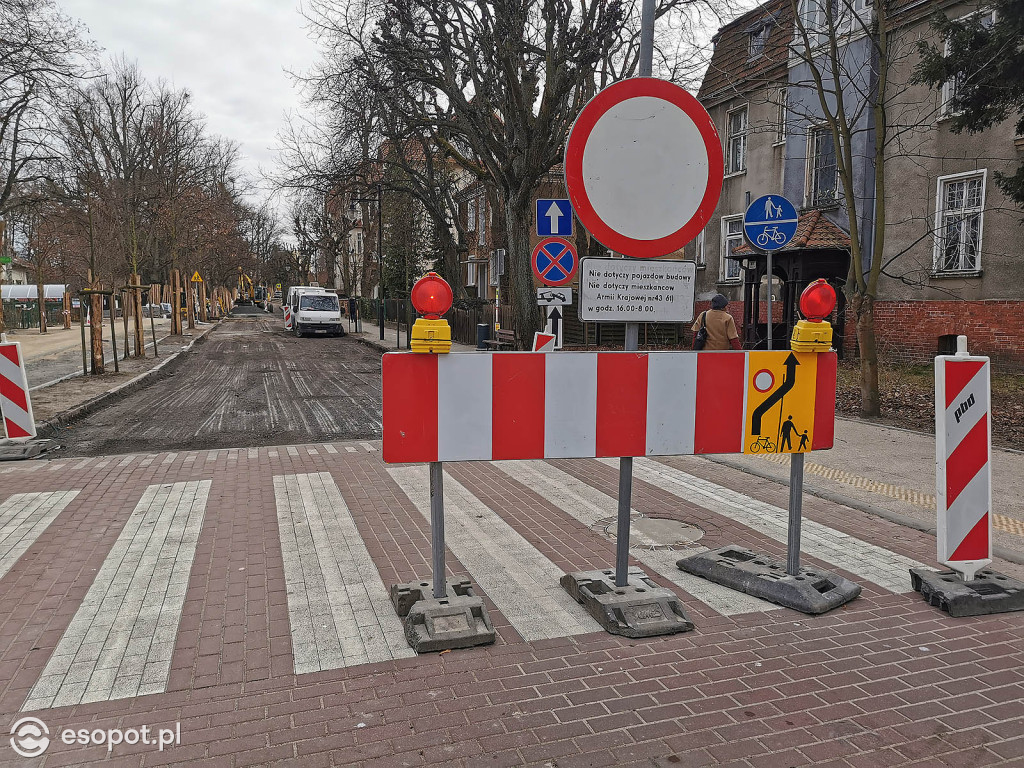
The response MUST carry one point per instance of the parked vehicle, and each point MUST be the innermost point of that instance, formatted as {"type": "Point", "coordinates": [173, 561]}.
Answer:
{"type": "Point", "coordinates": [291, 307]}
{"type": "Point", "coordinates": [318, 313]}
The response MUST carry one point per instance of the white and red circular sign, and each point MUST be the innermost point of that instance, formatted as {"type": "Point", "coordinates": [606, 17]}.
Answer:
{"type": "Point", "coordinates": [555, 261]}
{"type": "Point", "coordinates": [643, 166]}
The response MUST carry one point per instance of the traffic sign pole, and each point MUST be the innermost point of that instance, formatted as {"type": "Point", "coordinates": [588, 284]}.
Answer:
{"type": "Point", "coordinates": [768, 266]}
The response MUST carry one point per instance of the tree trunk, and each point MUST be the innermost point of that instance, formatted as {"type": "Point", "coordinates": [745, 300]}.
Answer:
{"type": "Point", "coordinates": [176, 328]}
{"type": "Point", "coordinates": [136, 305]}
{"type": "Point", "coordinates": [864, 314]}
{"type": "Point", "coordinates": [523, 295]}
{"type": "Point", "coordinates": [41, 302]}
{"type": "Point", "coordinates": [190, 300]}
{"type": "Point", "coordinates": [96, 327]}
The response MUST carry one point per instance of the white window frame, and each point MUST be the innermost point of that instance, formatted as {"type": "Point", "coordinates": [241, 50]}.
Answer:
{"type": "Point", "coordinates": [782, 115]}
{"type": "Point", "coordinates": [938, 256]}
{"type": "Point", "coordinates": [481, 228]}
{"type": "Point", "coordinates": [723, 276]}
{"type": "Point", "coordinates": [949, 87]}
{"type": "Point", "coordinates": [810, 200]}
{"type": "Point", "coordinates": [700, 256]}
{"type": "Point", "coordinates": [741, 136]}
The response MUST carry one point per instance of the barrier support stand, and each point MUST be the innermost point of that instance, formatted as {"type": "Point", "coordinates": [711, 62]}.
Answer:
{"type": "Point", "coordinates": [627, 602]}
{"type": "Point", "coordinates": [450, 614]}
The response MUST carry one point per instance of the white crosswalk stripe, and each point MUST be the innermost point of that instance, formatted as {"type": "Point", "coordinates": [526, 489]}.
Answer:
{"type": "Point", "coordinates": [589, 505]}
{"type": "Point", "coordinates": [517, 577]}
{"type": "Point", "coordinates": [339, 608]}
{"type": "Point", "coordinates": [119, 643]}
{"type": "Point", "coordinates": [23, 518]}
{"type": "Point", "coordinates": [880, 566]}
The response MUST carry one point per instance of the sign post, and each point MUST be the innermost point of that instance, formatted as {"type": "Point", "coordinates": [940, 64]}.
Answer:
{"type": "Point", "coordinates": [643, 168]}
{"type": "Point", "coordinates": [769, 223]}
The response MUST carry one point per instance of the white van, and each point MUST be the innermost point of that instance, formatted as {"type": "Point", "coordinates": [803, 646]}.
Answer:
{"type": "Point", "coordinates": [291, 305]}
{"type": "Point", "coordinates": [318, 312]}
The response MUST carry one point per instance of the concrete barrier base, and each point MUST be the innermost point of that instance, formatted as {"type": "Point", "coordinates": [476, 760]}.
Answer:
{"type": "Point", "coordinates": [812, 590]}
{"type": "Point", "coordinates": [639, 609]}
{"type": "Point", "coordinates": [990, 592]}
{"type": "Point", "coordinates": [22, 451]}
{"type": "Point", "coordinates": [458, 620]}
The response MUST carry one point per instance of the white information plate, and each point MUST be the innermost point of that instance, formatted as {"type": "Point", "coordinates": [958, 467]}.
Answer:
{"type": "Point", "coordinates": [631, 290]}
{"type": "Point", "coordinates": [554, 297]}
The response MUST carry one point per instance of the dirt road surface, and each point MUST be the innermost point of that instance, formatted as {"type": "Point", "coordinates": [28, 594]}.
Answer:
{"type": "Point", "coordinates": [250, 384]}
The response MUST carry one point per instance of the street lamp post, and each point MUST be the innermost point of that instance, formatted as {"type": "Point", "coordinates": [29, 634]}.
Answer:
{"type": "Point", "coordinates": [380, 251]}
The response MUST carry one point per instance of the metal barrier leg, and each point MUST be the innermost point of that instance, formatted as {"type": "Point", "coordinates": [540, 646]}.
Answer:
{"type": "Point", "coordinates": [796, 495]}
{"type": "Point", "coordinates": [437, 526]}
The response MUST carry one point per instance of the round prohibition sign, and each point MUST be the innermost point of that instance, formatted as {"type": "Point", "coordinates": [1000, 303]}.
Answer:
{"type": "Point", "coordinates": [644, 167]}
{"type": "Point", "coordinates": [555, 261]}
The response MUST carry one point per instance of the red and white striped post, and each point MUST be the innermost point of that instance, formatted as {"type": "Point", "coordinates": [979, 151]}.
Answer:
{"type": "Point", "coordinates": [963, 468]}
{"type": "Point", "coordinates": [15, 403]}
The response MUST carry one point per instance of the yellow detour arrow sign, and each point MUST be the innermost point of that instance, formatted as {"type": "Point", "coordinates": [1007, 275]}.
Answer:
{"type": "Point", "coordinates": [196, 278]}
{"type": "Point", "coordinates": [781, 390]}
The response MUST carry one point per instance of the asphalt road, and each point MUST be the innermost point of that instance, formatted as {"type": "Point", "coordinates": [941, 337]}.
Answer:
{"type": "Point", "coordinates": [249, 384]}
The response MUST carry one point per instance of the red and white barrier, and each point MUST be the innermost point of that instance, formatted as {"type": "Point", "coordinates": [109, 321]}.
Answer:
{"type": "Point", "coordinates": [15, 403]}
{"type": "Point", "coordinates": [287, 317]}
{"type": "Point", "coordinates": [522, 405]}
{"type": "Point", "coordinates": [963, 449]}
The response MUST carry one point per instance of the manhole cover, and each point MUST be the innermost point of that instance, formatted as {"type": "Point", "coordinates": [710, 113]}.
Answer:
{"type": "Point", "coordinates": [654, 532]}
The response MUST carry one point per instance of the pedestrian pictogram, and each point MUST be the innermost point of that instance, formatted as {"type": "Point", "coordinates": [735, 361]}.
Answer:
{"type": "Point", "coordinates": [196, 278]}
{"type": "Point", "coordinates": [643, 167]}
{"type": "Point", "coordinates": [554, 218]}
{"type": "Point", "coordinates": [769, 222]}
{"type": "Point", "coordinates": [555, 261]}
{"type": "Point", "coordinates": [781, 402]}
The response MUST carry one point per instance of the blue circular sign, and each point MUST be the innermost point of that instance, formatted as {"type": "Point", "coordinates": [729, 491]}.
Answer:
{"type": "Point", "coordinates": [555, 261]}
{"type": "Point", "coordinates": [770, 222]}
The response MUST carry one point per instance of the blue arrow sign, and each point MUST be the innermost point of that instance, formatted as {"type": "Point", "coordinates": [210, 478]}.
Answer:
{"type": "Point", "coordinates": [554, 218]}
{"type": "Point", "coordinates": [770, 222]}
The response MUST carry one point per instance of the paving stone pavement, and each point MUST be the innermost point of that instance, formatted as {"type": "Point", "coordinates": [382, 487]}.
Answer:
{"type": "Point", "coordinates": [198, 565]}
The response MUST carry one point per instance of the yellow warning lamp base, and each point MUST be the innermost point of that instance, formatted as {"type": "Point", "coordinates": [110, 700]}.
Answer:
{"type": "Point", "coordinates": [433, 336]}
{"type": "Point", "coordinates": [811, 337]}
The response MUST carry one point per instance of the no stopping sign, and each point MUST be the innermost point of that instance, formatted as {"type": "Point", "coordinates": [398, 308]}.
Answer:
{"type": "Point", "coordinates": [643, 166]}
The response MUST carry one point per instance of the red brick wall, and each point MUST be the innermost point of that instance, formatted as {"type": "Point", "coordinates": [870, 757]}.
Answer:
{"type": "Point", "coordinates": [909, 331]}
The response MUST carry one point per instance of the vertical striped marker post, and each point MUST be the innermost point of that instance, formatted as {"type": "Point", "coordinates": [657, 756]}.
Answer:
{"type": "Point", "coordinates": [963, 468]}
{"type": "Point", "coordinates": [15, 403]}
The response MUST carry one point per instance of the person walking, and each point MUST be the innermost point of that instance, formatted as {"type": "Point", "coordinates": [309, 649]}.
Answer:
{"type": "Point", "coordinates": [721, 328]}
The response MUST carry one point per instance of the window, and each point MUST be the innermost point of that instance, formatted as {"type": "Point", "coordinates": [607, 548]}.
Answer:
{"type": "Point", "coordinates": [758, 40]}
{"type": "Point", "coordinates": [471, 217]}
{"type": "Point", "coordinates": [822, 169]}
{"type": "Point", "coordinates": [481, 227]}
{"type": "Point", "coordinates": [958, 217]}
{"type": "Point", "coordinates": [783, 116]}
{"type": "Point", "coordinates": [497, 266]}
{"type": "Point", "coordinates": [732, 238]}
{"type": "Point", "coordinates": [699, 256]}
{"type": "Point", "coordinates": [949, 88]}
{"type": "Point", "coordinates": [736, 152]}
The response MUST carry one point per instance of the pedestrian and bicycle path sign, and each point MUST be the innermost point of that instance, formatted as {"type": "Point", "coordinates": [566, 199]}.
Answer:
{"type": "Point", "coordinates": [769, 222]}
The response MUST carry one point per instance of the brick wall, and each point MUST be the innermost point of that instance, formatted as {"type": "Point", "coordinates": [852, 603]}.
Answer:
{"type": "Point", "coordinates": [909, 331]}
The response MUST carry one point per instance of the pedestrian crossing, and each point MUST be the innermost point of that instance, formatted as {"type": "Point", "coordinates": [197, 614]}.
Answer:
{"type": "Point", "coordinates": [120, 641]}
{"type": "Point", "coordinates": [338, 606]}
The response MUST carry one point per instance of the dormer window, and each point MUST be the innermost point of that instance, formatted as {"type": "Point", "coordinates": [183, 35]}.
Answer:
{"type": "Point", "coordinates": [757, 40]}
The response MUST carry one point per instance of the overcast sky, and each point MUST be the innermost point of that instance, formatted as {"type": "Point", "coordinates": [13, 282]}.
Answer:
{"type": "Point", "coordinates": [231, 54]}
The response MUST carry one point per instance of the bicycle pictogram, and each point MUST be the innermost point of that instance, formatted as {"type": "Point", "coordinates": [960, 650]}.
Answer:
{"type": "Point", "coordinates": [771, 235]}
{"type": "Point", "coordinates": [762, 442]}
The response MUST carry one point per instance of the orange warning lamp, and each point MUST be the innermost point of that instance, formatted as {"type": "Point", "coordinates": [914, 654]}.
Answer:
{"type": "Point", "coordinates": [432, 297]}
{"type": "Point", "coordinates": [815, 333]}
